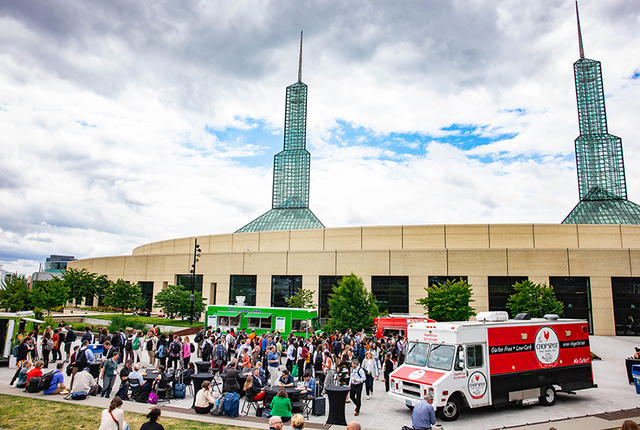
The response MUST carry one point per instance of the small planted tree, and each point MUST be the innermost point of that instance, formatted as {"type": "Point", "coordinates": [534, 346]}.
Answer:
{"type": "Point", "coordinates": [535, 299]}
{"type": "Point", "coordinates": [351, 305]}
{"type": "Point", "coordinates": [15, 295]}
{"type": "Point", "coordinates": [175, 300]}
{"type": "Point", "coordinates": [449, 301]}
{"type": "Point", "coordinates": [123, 295]}
{"type": "Point", "coordinates": [81, 283]}
{"type": "Point", "coordinates": [301, 299]}
{"type": "Point", "coordinates": [49, 294]}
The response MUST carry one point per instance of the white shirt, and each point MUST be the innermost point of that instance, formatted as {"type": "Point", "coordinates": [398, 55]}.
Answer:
{"type": "Point", "coordinates": [203, 398]}
{"type": "Point", "coordinates": [290, 352]}
{"type": "Point", "coordinates": [107, 422]}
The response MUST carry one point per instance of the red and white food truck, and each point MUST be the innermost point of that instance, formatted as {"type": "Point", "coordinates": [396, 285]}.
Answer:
{"type": "Point", "coordinates": [395, 324]}
{"type": "Point", "coordinates": [493, 361]}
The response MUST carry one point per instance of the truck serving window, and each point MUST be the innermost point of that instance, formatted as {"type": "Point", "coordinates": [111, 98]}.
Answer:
{"type": "Point", "coordinates": [474, 356]}
{"type": "Point", "coordinates": [417, 354]}
{"type": "Point", "coordinates": [441, 357]}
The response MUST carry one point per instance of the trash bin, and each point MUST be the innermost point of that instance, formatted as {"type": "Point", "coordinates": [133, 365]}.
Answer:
{"type": "Point", "coordinates": [635, 371]}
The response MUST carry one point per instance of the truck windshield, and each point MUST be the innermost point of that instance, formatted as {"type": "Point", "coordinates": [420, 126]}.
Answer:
{"type": "Point", "coordinates": [441, 357]}
{"type": "Point", "coordinates": [417, 354]}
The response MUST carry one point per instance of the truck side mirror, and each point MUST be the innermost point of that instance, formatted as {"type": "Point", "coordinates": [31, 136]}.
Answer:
{"type": "Point", "coordinates": [460, 359]}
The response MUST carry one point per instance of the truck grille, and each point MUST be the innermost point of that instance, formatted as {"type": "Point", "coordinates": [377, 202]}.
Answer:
{"type": "Point", "coordinates": [411, 389]}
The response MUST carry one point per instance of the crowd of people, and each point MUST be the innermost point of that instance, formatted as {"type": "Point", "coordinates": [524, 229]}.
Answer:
{"type": "Point", "coordinates": [247, 363]}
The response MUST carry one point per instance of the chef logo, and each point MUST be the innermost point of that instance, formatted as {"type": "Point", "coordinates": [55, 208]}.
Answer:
{"type": "Point", "coordinates": [417, 374]}
{"type": "Point", "coordinates": [477, 385]}
{"type": "Point", "coordinates": [547, 346]}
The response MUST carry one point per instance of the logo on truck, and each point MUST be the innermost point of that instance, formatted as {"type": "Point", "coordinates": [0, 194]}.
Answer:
{"type": "Point", "coordinates": [547, 346]}
{"type": "Point", "coordinates": [477, 385]}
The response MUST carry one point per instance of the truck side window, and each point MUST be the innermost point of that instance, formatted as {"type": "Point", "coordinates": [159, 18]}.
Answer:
{"type": "Point", "coordinates": [459, 359]}
{"type": "Point", "coordinates": [474, 356]}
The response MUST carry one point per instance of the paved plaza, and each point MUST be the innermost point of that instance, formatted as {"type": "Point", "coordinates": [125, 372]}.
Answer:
{"type": "Point", "coordinates": [382, 413]}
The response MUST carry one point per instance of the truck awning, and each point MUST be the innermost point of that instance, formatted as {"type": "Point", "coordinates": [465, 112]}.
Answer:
{"type": "Point", "coordinates": [256, 315]}
{"type": "Point", "coordinates": [33, 320]}
{"type": "Point", "coordinates": [226, 314]}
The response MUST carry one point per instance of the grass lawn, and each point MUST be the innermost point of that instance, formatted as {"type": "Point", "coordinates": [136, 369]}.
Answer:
{"type": "Point", "coordinates": [25, 413]}
{"type": "Point", "coordinates": [153, 320]}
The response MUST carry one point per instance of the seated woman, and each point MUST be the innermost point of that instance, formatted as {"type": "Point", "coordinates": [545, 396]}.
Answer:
{"type": "Point", "coordinates": [153, 423]}
{"type": "Point", "coordinates": [188, 373]}
{"type": "Point", "coordinates": [286, 380]}
{"type": "Point", "coordinates": [256, 391]}
{"type": "Point", "coordinates": [263, 375]}
{"type": "Point", "coordinates": [204, 399]}
{"type": "Point", "coordinates": [22, 375]}
{"type": "Point", "coordinates": [281, 406]}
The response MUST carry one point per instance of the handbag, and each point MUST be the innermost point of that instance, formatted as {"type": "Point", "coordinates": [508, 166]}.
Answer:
{"type": "Point", "coordinates": [153, 398]}
{"type": "Point", "coordinates": [294, 371]}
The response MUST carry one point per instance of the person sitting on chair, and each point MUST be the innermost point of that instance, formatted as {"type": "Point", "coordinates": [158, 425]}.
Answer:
{"type": "Point", "coordinates": [286, 380]}
{"type": "Point", "coordinates": [257, 390]}
{"type": "Point", "coordinates": [204, 399]}
{"type": "Point", "coordinates": [281, 406]}
{"type": "Point", "coordinates": [309, 385]}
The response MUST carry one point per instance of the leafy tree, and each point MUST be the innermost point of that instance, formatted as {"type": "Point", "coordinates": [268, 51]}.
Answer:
{"type": "Point", "coordinates": [81, 283]}
{"type": "Point", "coordinates": [175, 300]}
{"type": "Point", "coordinates": [49, 294]}
{"type": "Point", "coordinates": [15, 295]}
{"type": "Point", "coordinates": [535, 299]}
{"type": "Point", "coordinates": [123, 295]}
{"type": "Point", "coordinates": [301, 299]}
{"type": "Point", "coordinates": [351, 305]}
{"type": "Point", "coordinates": [102, 285]}
{"type": "Point", "coordinates": [448, 301]}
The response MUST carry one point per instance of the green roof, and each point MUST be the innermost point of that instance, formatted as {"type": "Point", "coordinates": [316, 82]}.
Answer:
{"type": "Point", "coordinates": [283, 219]}
{"type": "Point", "coordinates": [227, 314]}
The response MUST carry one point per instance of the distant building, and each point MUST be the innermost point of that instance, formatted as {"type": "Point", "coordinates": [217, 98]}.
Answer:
{"type": "Point", "coordinates": [53, 265]}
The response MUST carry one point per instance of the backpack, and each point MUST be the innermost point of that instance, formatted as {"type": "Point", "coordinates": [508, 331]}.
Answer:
{"type": "Point", "coordinates": [175, 348]}
{"type": "Point", "coordinates": [179, 390]}
{"type": "Point", "coordinates": [80, 395]}
{"type": "Point", "coordinates": [304, 354]}
{"type": "Point", "coordinates": [45, 382]}
{"type": "Point", "coordinates": [198, 337]}
{"type": "Point", "coordinates": [34, 384]}
{"type": "Point", "coordinates": [206, 348]}
{"type": "Point", "coordinates": [136, 343]}
{"type": "Point", "coordinates": [81, 359]}
{"type": "Point", "coordinates": [219, 407]}
{"type": "Point", "coordinates": [192, 348]}
{"type": "Point", "coordinates": [48, 344]}
{"type": "Point", "coordinates": [128, 345]}
{"type": "Point", "coordinates": [149, 345]}
{"type": "Point", "coordinates": [160, 352]}
{"type": "Point", "coordinates": [220, 352]}
{"type": "Point", "coordinates": [231, 404]}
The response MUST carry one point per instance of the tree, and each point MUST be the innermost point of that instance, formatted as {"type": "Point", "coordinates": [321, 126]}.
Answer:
{"type": "Point", "coordinates": [49, 294]}
{"type": "Point", "coordinates": [15, 295]}
{"type": "Point", "coordinates": [351, 305]}
{"type": "Point", "coordinates": [102, 285]}
{"type": "Point", "coordinates": [81, 283]}
{"type": "Point", "coordinates": [175, 300]}
{"type": "Point", "coordinates": [301, 299]}
{"type": "Point", "coordinates": [448, 301]}
{"type": "Point", "coordinates": [123, 295]}
{"type": "Point", "coordinates": [535, 299]}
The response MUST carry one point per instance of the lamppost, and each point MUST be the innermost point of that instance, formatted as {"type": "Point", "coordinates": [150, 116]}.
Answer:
{"type": "Point", "coordinates": [196, 254]}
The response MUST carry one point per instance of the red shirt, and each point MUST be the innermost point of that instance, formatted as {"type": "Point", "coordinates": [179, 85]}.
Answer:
{"type": "Point", "coordinates": [33, 372]}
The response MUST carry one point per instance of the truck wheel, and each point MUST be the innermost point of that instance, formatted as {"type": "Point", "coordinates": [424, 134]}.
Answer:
{"type": "Point", "coordinates": [548, 397]}
{"type": "Point", "coordinates": [451, 411]}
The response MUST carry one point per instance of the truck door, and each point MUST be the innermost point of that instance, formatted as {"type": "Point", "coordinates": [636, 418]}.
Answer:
{"type": "Point", "coordinates": [477, 377]}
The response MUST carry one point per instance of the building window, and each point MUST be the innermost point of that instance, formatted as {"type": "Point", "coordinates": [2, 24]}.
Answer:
{"type": "Point", "coordinates": [146, 287]}
{"type": "Point", "coordinates": [500, 289]}
{"type": "Point", "coordinates": [575, 293]}
{"type": "Point", "coordinates": [243, 286]}
{"type": "Point", "coordinates": [212, 293]}
{"type": "Point", "coordinates": [326, 285]}
{"type": "Point", "coordinates": [434, 280]}
{"type": "Point", "coordinates": [283, 287]}
{"type": "Point", "coordinates": [392, 293]}
{"type": "Point", "coordinates": [185, 281]}
{"type": "Point", "coordinates": [88, 301]}
{"type": "Point", "coordinates": [626, 305]}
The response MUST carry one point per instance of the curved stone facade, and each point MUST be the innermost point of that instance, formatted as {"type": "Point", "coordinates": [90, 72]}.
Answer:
{"type": "Point", "coordinates": [481, 253]}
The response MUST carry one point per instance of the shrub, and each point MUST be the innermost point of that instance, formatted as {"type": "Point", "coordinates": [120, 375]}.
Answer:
{"type": "Point", "coordinates": [535, 299]}
{"type": "Point", "coordinates": [122, 322]}
{"type": "Point", "coordinates": [448, 301]}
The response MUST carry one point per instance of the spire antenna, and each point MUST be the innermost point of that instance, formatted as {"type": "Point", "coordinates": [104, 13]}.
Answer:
{"type": "Point", "coordinates": [300, 60]}
{"type": "Point", "coordinates": [579, 32]}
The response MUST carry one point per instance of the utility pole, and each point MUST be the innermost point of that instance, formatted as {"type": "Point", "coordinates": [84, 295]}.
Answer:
{"type": "Point", "coordinates": [196, 254]}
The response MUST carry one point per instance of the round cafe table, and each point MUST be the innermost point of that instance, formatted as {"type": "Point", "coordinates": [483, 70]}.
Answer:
{"type": "Point", "coordinates": [197, 379]}
{"type": "Point", "coordinates": [150, 376]}
{"type": "Point", "coordinates": [202, 366]}
{"type": "Point", "coordinates": [337, 400]}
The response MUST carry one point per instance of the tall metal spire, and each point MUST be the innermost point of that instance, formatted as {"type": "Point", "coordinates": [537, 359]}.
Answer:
{"type": "Point", "coordinates": [300, 60]}
{"type": "Point", "coordinates": [579, 32]}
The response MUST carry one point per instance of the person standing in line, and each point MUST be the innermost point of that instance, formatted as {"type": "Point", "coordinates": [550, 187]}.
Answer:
{"type": "Point", "coordinates": [272, 364]}
{"type": "Point", "coordinates": [423, 416]}
{"type": "Point", "coordinates": [388, 368]}
{"type": "Point", "coordinates": [186, 351]}
{"type": "Point", "coordinates": [108, 373]}
{"type": "Point", "coordinates": [150, 346]}
{"type": "Point", "coordinates": [356, 380]}
{"type": "Point", "coordinates": [291, 356]}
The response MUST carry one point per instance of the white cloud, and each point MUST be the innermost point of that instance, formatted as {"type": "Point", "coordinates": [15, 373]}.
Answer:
{"type": "Point", "coordinates": [103, 118]}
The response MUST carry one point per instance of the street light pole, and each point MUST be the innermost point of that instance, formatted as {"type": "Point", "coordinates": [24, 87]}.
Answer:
{"type": "Point", "coordinates": [192, 297]}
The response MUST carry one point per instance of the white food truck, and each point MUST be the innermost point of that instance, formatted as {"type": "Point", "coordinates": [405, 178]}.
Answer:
{"type": "Point", "coordinates": [493, 361]}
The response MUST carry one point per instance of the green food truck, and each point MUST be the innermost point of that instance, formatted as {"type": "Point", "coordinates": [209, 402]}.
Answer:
{"type": "Point", "coordinates": [302, 322]}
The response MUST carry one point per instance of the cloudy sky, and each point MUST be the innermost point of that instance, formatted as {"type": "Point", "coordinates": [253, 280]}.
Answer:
{"type": "Point", "coordinates": [123, 123]}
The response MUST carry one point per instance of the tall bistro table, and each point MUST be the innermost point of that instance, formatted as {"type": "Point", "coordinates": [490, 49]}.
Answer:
{"type": "Point", "coordinates": [337, 400]}
{"type": "Point", "coordinates": [198, 379]}
{"type": "Point", "coordinates": [202, 366]}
